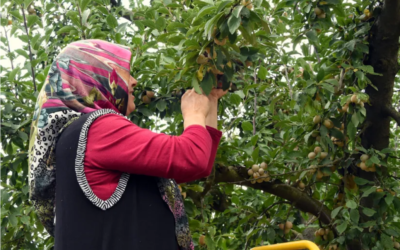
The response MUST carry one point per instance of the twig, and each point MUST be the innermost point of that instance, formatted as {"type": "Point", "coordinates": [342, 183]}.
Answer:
{"type": "Point", "coordinates": [264, 213]}
{"type": "Point", "coordinates": [29, 47]}
{"type": "Point", "coordinates": [255, 106]}
{"type": "Point", "coordinates": [11, 61]}
{"type": "Point", "coordinates": [316, 54]}
{"type": "Point", "coordinates": [8, 44]}
{"type": "Point", "coordinates": [288, 83]}
{"type": "Point", "coordinates": [80, 18]}
{"type": "Point", "coordinates": [341, 78]}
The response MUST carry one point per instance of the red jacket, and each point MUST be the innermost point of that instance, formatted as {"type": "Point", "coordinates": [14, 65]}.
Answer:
{"type": "Point", "coordinates": [116, 145]}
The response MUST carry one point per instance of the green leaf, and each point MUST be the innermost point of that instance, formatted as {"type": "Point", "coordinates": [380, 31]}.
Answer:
{"type": "Point", "coordinates": [13, 220]}
{"type": "Point", "coordinates": [351, 130]}
{"type": "Point", "coordinates": [83, 4]}
{"type": "Point", "coordinates": [234, 23]}
{"type": "Point", "coordinates": [389, 199]}
{"type": "Point", "coordinates": [361, 181]}
{"type": "Point", "coordinates": [369, 191]}
{"type": "Point", "coordinates": [335, 212]}
{"type": "Point", "coordinates": [321, 74]}
{"type": "Point", "coordinates": [8, 108]}
{"type": "Point", "coordinates": [195, 85]}
{"type": "Point", "coordinates": [375, 159]}
{"type": "Point", "coordinates": [224, 4]}
{"type": "Point", "coordinates": [207, 83]}
{"type": "Point", "coordinates": [210, 242]}
{"type": "Point", "coordinates": [350, 45]}
{"type": "Point", "coordinates": [247, 126]}
{"type": "Point", "coordinates": [392, 232]}
{"type": "Point", "coordinates": [312, 36]}
{"type": "Point", "coordinates": [112, 21]}
{"type": "Point", "coordinates": [161, 105]}
{"type": "Point", "coordinates": [161, 23]}
{"type": "Point", "coordinates": [195, 187]}
{"type": "Point", "coordinates": [351, 204]}
{"type": "Point", "coordinates": [235, 99]}
{"type": "Point", "coordinates": [368, 69]}
{"type": "Point", "coordinates": [354, 216]}
{"type": "Point", "coordinates": [368, 212]}
{"type": "Point", "coordinates": [13, 73]}
{"type": "Point", "coordinates": [271, 235]}
{"type": "Point", "coordinates": [23, 135]}
{"type": "Point", "coordinates": [262, 73]}
{"type": "Point", "coordinates": [25, 219]}
{"type": "Point", "coordinates": [31, 20]}
{"type": "Point", "coordinates": [85, 16]}
{"type": "Point", "coordinates": [342, 227]}
{"type": "Point", "coordinates": [368, 224]}
{"type": "Point", "coordinates": [208, 28]}
{"type": "Point", "coordinates": [204, 11]}
{"type": "Point", "coordinates": [145, 111]}
{"type": "Point", "coordinates": [354, 119]}
{"type": "Point", "coordinates": [386, 241]}
{"type": "Point", "coordinates": [254, 155]}
{"type": "Point", "coordinates": [66, 29]}
{"type": "Point", "coordinates": [236, 11]}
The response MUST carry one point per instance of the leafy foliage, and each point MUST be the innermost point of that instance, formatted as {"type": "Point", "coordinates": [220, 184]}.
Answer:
{"type": "Point", "coordinates": [288, 63]}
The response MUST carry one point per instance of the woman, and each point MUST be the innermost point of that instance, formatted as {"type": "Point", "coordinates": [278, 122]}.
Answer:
{"type": "Point", "coordinates": [97, 180]}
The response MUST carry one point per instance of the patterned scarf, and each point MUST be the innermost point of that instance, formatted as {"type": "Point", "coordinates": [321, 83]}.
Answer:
{"type": "Point", "coordinates": [86, 76]}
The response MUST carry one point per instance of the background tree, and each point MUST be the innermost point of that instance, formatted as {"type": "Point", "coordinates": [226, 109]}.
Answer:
{"type": "Point", "coordinates": [309, 150]}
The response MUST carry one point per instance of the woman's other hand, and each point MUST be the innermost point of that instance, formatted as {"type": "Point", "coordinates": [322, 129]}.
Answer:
{"type": "Point", "coordinates": [194, 108]}
{"type": "Point", "coordinates": [216, 94]}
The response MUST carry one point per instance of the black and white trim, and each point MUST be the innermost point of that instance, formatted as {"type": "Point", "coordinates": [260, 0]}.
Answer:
{"type": "Point", "coordinates": [79, 168]}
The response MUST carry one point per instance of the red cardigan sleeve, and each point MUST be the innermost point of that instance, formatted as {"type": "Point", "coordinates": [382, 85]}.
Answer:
{"type": "Point", "coordinates": [115, 143]}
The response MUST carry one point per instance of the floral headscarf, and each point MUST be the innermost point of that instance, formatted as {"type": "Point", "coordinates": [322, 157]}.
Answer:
{"type": "Point", "coordinates": [86, 76]}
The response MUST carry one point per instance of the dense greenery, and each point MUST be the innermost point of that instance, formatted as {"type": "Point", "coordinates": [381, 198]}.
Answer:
{"type": "Point", "coordinates": [306, 76]}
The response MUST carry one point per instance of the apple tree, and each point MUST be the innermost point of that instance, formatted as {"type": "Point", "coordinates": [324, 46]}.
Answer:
{"type": "Point", "coordinates": [310, 122]}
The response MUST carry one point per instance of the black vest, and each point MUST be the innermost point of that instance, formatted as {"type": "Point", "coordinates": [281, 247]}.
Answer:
{"type": "Point", "coordinates": [140, 220]}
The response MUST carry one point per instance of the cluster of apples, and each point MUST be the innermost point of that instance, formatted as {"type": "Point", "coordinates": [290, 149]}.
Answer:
{"type": "Point", "coordinates": [367, 15]}
{"type": "Point", "coordinates": [325, 234]}
{"type": "Point", "coordinates": [321, 155]}
{"type": "Point", "coordinates": [320, 13]}
{"type": "Point", "coordinates": [395, 243]}
{"type": "Point", "coordinates": [259, 173]}
{"type": "Point", "coordinates": [337, 141]}
{"type": "Point", "coordinates": [287, 226]}
{"type": "Point", "coordinates": [364, 166]}
{"type": "Point", "coordinates": [329, 125]}
{"type": "Point", "coordinates": [147, 96]}
{"type": "Point", "coordinates": [353, 99]}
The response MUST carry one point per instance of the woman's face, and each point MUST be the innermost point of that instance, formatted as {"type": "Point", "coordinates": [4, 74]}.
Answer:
{"type": "Point", "coordinates": [131, 98]}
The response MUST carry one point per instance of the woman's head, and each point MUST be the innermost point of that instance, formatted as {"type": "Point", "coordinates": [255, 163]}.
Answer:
{"type": "Point", "coordinates": [89, 75]}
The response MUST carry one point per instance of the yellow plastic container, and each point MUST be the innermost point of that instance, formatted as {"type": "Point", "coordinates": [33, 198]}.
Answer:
{"type": "Point", "coordinates": [302, 244]}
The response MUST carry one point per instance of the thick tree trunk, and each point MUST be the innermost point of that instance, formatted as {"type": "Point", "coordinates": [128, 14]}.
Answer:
{"type": "Point", "coordinates": [383, 56]}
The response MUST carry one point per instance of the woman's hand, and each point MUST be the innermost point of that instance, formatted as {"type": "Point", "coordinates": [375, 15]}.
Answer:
{"type": "Point", "coordinates": [194, 108]}
{"type": "Point", "coordinates": [216, 94]}
{"type": "Point", "coordinates": [212, 117]}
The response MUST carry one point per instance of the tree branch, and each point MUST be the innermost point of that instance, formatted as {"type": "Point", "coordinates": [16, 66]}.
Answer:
{"type": "Point", "coordinates": [392, 112]}
{"type": "Point", "coordinates": [298, 198]}
{"type": "Point", "coordinates": [29, 48]}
